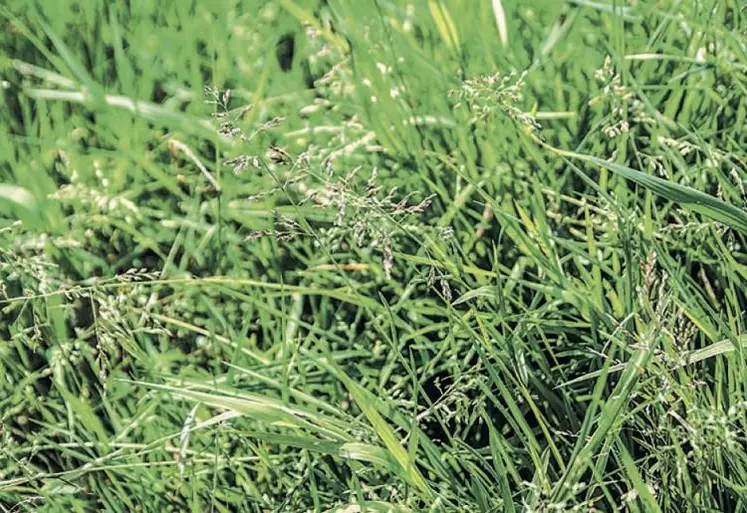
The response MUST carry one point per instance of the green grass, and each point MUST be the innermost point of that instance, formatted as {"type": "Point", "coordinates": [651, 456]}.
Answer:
{"type": "Point", "coordinates": [436, 256]}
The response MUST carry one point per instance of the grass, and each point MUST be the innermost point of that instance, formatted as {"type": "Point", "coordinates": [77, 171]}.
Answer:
{"type": "Point", "coordinates": [387, 256]}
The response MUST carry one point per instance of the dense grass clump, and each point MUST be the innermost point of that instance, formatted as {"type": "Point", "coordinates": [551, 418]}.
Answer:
{"type": "Point", "coordinates": [373, 256]}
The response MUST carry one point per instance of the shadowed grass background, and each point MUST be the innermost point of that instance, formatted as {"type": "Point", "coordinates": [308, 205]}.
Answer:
{"type": "Point", "coordinates": [437, 256]}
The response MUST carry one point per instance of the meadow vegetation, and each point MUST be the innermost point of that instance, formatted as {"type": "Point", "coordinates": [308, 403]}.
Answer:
{"type": "Point", "coordinates": [373, 256]}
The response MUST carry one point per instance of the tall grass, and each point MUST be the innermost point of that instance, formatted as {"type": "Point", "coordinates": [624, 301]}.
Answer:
{"type": "Point", "coordinates": [335, 256]}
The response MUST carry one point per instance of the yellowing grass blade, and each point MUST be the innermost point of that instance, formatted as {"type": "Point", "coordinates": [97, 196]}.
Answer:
{"type": "Point", "coordinates": [500, 21]}
{"type": "Point", "coordinates": [444, 23]}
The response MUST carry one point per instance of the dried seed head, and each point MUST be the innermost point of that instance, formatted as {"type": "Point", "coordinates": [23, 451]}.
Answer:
{"type": "Point", "coordinates": [388, 259]}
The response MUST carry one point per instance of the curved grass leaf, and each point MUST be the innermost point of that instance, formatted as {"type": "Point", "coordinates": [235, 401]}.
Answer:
{"type": "Point", "coordinates": [689, 198]}
{"type": "Point", "coordinates": [695, 356]}
{"type": "Point", "coordinates": [263, 409]}
{"type": "Point", "coordinates": [487, 291]}
{"type": "Point", "coordinates": [371, 454]}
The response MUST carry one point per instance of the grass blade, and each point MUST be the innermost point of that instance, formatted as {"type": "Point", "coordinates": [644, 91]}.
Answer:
{"type": "Point", "coordinates": [689, 198]}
